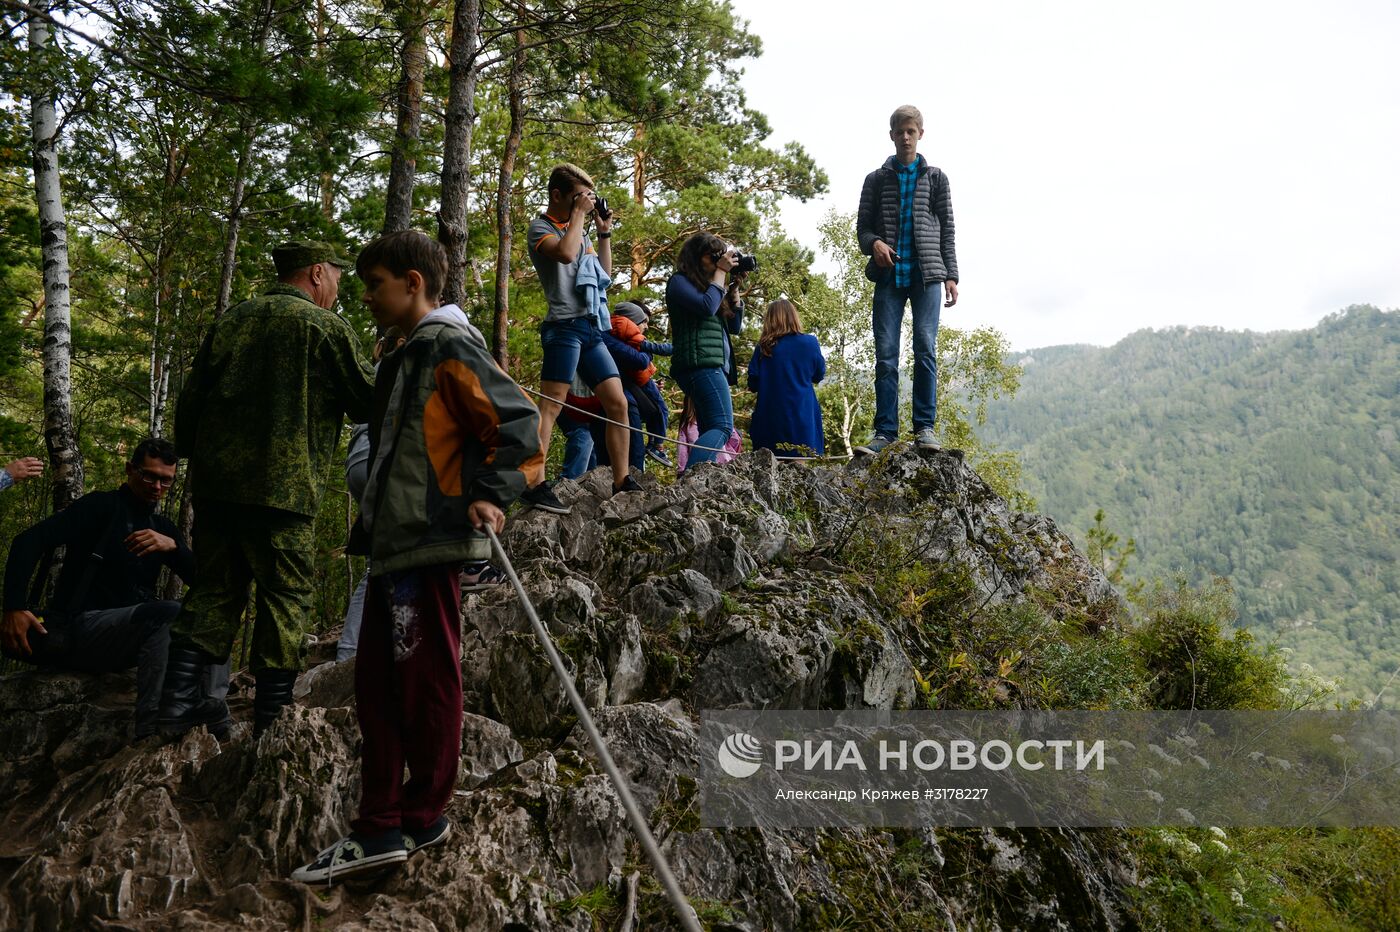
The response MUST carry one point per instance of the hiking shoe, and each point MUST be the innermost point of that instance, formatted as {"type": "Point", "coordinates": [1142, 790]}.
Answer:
{"type": "Point", "coordinates": [480, 575]}
{"type": "Point", "coordinates": [874, 447]}
{"type": "Point", "coordinates": [628, 485]}
{"type": "Point", "coordinates": [416, 839]}
{"type": "Point", "coordinates": [352, 855]}
{"type": "Point", "coordinates": [926, 440]}
{"type": "Point", "coordinates": [659, 455]}
{"type": "Point", "coordinates": [543, 498]}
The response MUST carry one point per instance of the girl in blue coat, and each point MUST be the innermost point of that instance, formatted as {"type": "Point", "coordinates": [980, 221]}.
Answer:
{"type": "Point", "coordinates": [786, 366]}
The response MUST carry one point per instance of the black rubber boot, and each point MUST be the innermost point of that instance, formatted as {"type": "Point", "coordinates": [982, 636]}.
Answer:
{"type": "Point", "coordinates": [183, 704]}
{"type": "Point", "coordinates": [273, 695]}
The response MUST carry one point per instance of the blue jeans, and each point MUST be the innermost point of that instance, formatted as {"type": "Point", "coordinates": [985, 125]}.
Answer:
{"type": "Point", "coordinates": [636, 440]}
{"type": "Point", "coordinates": [714, 409]}
{"type": "Point", "coordinates": [655, 415]}
{"type": "Point", "coordinates": [575, 346]}
{"type": "Point", "coordinates": [888, 318]}
{"type": "Point", "coordinates": [349, 641]}
{"type": "Point", "coordinates": [579, 457]}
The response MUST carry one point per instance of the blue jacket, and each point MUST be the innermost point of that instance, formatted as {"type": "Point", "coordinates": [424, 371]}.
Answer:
{"type": "Point", "coordinates": [786, 417]}
{"type": "Point", "coordinates": [594, 282]}
{"type": "Point", "coordinates": [627, 358]}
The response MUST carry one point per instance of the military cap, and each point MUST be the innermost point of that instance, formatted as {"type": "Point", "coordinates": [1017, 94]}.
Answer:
{"type": "Point", "coordinates": [299, 253]}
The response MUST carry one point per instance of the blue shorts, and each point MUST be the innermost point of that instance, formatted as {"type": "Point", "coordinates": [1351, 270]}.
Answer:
{"type": "Point", "coordinates": [575, 346]}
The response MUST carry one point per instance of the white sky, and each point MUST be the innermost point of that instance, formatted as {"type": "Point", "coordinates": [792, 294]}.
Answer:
{"type": "Point", "coordinates": [1114, 165]}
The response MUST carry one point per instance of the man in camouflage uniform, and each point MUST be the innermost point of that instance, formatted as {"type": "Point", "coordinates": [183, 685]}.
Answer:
{"type": "Point", "coordinates": [259, 418]}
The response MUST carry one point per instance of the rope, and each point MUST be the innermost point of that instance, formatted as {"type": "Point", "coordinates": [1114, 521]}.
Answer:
{"type": "Point", "coordinates": [684, 912]}
{"type": "Point", "coordinates": [676, 440]}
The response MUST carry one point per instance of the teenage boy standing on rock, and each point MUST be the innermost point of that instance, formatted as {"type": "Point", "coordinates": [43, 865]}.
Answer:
{"type": "Point", "coordinates": [575, 279]}
{"type": "Point", "coordinates": [453, 442]}
{"type": "Point", "coordinates": [905, 226]}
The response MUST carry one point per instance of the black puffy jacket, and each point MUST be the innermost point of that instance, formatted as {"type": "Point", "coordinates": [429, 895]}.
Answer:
{"type": "Point", "coordinates": [878, 218]}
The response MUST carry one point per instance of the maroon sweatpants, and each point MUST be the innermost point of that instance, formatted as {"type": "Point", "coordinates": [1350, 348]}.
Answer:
{"type": "Point", "coordinates": [408, 694]}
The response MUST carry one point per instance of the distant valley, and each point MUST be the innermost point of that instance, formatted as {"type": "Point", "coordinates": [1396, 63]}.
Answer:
{"type": "Point", "coordinates": [1269, 458]}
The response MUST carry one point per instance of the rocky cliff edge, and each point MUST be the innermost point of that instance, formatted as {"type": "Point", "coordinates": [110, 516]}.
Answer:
{"type": "Point", "coordinates": [756, 584]}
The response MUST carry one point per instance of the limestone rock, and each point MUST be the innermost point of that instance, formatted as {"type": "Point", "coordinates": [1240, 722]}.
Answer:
{"type": "Point", "coordinates": [732, 587]}
{"type": "Point", "coordinates": [524, 688]}
{"type": "Point", "coordinates": [487, 746]}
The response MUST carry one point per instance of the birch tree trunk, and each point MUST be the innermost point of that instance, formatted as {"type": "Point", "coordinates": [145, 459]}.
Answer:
{"type": "Point", "coordinates": [403, 162]}
{"type": "Point", "coordinates": [59, 435]}
{"type": "Point", "coordinates": [847, 424]}
{"type": "Point", "coordinates": [248, 131]}
{"type": "Point", "coordinates": [457, 145]}
{"type": "Point", "coordinates": [153, 416]}
{"type": "Point", "coordinates": [234, 224]}
{"type": "Point", "coordinates": [327, 179]}
{"type": "Point", "coordinates": [500, 332]}
{"type": "Point", "coordinates": [160, 381]}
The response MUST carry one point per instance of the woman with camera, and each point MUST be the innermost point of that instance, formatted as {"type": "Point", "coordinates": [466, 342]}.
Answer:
{"type": "Point", "coordinates": [703, 315]}
{"type": "Point", "coordinates": [786, 366]}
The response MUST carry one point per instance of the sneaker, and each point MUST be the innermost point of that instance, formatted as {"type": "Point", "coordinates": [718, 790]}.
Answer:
{"type": "Point", "coordinates": [352, 855]}
{"type": "Point", "coordinates": [926, 440]}
{"type": "Point", "coordinates": [480, 575]}
{"type": "Point", "coordinates": [543, 498]}
{"type": "Point", "coordinates": [628, 485]}
{"type": "Point", "coordinates": [416, 839]}
{"type": "Point", "coordinates": [659, 455]}
{"type": "Point", "coordinates": [874, 447]}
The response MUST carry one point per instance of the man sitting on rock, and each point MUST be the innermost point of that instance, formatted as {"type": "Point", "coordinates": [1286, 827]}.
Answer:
{"type": "Point", "coordinates": [104, 615]}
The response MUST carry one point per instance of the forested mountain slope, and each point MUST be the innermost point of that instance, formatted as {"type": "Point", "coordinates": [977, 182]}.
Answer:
{"type": "Point", "coordinates": [1269, 458]}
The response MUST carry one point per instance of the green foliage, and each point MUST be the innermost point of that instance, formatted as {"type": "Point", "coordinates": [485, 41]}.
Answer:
{"type": "Point", "coordinates": [1304, 879]}
{"type": "Point", "coordinates": [598, 902]}
{"type": "Point", "coordinates": [651, 105]}
{"type": "Point", "coordinates": [1267, 458]}
{"type": "Point", "coordinates": [20, 285]}
{"type": "Point", "coordinates": [970, 654]}
{"type": "Point", "coordinates": [1190, 660]}
{"type": "Point", "coordinates": [972, 372]}
{"type": "Point", "coordinates": [1111, 555]}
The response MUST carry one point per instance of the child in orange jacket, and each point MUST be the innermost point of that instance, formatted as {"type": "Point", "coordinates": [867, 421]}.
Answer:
{"type": "Point", "coordinates": [629, 324]}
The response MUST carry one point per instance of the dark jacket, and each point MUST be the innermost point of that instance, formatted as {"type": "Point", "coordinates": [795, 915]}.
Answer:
{"type": "Point", "coordinates": [935, 254]}
{"type": "Point", "coordinates": [629, 359]}
{"type": "Point", "coordinates": [99, 522]}
{"type": "Point", "coordinates": [455, 429]}
{"type": "Point", "coordinates": [260, 411]}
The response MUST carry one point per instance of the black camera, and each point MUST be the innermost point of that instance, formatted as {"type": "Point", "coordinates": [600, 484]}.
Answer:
{"type": "Point", "coordinates": [743, 264]}
{"type": "Point", "coordinates": [600, 207]}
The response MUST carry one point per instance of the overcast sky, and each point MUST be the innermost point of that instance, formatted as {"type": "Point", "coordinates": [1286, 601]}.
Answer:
{"type": "Point", "coordinates": [1114, 165]}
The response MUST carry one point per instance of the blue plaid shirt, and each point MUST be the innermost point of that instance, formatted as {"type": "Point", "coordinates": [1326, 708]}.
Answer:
{"type": "Point", "coordinates": [908, 177]}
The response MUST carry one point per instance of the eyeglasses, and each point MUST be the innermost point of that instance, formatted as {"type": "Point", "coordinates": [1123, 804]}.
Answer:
{"type": "Point", "coordinates": [152, 478]}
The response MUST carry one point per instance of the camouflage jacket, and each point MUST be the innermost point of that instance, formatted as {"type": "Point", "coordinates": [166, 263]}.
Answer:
{"type": "Point", "coordinates": [260, 411]}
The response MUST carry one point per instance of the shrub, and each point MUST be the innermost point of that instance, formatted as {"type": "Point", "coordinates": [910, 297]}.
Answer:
{"type": "Point", "coordinates": [1190, 660]}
